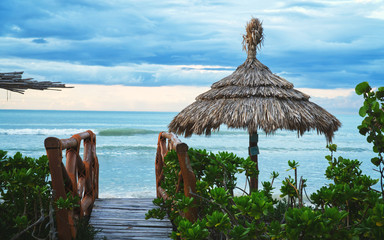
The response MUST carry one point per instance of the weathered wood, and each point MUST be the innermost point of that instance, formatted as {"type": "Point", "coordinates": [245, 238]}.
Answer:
{"type": "Point", "coordinates": [172, 137]}
{"type": "Point", "coordinates": [80, 178]}
{"type": "Point", "coordinates": [186, 174]}
{"type": "Point", "coordinates": [54, 154]}
{"type": "Point", "coordinates": [188, 178]}
{"type": "Point", "coordinates": [254, 181]}
{"type": "Point", "coordinates": [72, 142]}
{"type": "Point", "coordinates": [124, 218]}
{"type": "Point", "coordinates": [12, 81]}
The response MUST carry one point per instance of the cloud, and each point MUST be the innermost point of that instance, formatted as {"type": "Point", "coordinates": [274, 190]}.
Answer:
{"type": "Point", "coordinates": [165, 98]}
{"type": "Point", "coordinates": [126, 74]}
{"type": "Point", "coordinates": [321, 44]}
{"type": "Point", "coordinates": [378, 14]}
{"type": "Point", "coordinates": [39, 40]}
{"type": "Point", "coordinates": [104, 98]}
{"type": "Point", "coordinates": [336, 101]}
{"type": "Point", "coordinates": [328, 93]}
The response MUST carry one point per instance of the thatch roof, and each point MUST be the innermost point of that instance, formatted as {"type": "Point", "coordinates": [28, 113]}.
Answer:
{"type": "Point", "coordinates": [253, 98]}
{"type": "Point", "coordinates": [13, 82]}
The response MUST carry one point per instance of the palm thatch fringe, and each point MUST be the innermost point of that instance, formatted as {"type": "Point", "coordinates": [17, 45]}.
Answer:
{"type": "Point", "coordinates": [13, 81]}
{"type": "Point", "coordinates": [268, 114]}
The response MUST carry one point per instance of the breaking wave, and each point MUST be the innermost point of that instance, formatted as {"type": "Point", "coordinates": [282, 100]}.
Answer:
{"type": "Point", "coordinates": [41, 131]}
{"type": "Point", "coordinates": [125, 132]}
{"type": "Point", "coordinates": [71, 131]}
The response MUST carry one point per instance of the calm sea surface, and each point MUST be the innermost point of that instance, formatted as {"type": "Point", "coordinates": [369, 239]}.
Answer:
{"type": "Point", "coordinates": [127, 141]}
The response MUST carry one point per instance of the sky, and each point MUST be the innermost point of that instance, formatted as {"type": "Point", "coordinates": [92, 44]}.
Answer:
{"type": "Point", "coordinates": [159, 55]}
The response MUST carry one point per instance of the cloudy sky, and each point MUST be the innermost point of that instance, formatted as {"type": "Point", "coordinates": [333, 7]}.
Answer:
{"type": "Point", "coordinates": [158, 55]}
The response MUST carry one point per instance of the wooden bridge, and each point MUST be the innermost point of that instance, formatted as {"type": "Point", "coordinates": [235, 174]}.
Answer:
{"type": "Point", "coordinates": [116, 218]}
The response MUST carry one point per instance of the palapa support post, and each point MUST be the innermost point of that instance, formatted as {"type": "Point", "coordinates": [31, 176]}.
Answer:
{"type": "Point", "coordinates": [253, 152]}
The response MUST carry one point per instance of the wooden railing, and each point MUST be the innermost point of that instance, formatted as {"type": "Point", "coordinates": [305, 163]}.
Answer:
{"type": "Point", "coordinates": [167, 142]}
{"type": "Point", "coordinates": [79, 177]}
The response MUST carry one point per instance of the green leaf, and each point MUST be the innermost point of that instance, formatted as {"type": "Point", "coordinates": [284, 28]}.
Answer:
{"type": "Point", "coordinates": [363, 111]}
{"type": "Point", "coordinates": [332, 147]}
{"type": "Point", "coordinates": [380, 93]}
{"type": "Point", "coordinates": [362, 88]}
{"type": "Point", "coordinates": [375, 161]}
{"type": "Point", "coordinates": [375, 106]}
{"type": "Point", "coordinates": [375, 149]}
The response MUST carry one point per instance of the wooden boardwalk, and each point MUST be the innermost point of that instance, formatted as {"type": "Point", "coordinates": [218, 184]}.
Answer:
{"type": "Point", "coordinates": [124, 218]}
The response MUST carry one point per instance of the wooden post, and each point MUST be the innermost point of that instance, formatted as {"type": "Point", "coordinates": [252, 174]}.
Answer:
{"type": "Point", "coordinates": [71, 170]}
{"type": "Point", "coordinates": [253, 152]}
{"type": "Point", "coordinates": [87, 201]}
{"type": "Point", "coordinates": [160, 153]}
{"type": "Point", "coordinates": [189, 178]}
{"type": "Point", "coordinates": [187, 173]}
{"type": "Point", "coordinates": [54, 153]}
{"type": "Point", "coordinates": [79, 177]}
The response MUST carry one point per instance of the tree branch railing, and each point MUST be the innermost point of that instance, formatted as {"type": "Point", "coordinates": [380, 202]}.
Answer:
{"type": "Point", "coordinates": [78, 177]}
{"type": "Point", "coordinates": [167, 142]}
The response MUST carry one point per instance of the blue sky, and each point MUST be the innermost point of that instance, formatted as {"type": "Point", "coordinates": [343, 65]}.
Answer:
{"type": "Point", "coordinates": [328, 44]}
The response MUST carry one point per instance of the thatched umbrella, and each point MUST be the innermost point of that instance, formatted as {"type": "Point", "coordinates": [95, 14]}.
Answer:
{"type": "Point", "coordinates": [253, 98]}
{"type": "Point", "coordinates": [12, 81]}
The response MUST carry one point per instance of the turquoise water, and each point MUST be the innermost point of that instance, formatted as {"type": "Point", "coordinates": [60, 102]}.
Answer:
{"type": "Point", "coordinates": [127, 141]}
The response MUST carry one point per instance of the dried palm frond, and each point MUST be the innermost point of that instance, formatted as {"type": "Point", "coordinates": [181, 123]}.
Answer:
{"type": "Point", "coordinates": [13, 82]}
{"type": "Point", "coordinates": [254, 38]}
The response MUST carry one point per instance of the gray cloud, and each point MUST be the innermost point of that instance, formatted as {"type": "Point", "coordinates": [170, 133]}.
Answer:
{"type": "Point", "coordinates": [318, 44]}
{"type": "Point", "coordinates": [39, 40]}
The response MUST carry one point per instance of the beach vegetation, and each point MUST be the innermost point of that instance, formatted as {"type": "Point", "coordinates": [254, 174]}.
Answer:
{"type": "Point", "coordinates": [25, 193]}
{"type": "Point", "coordinates": [26, 201]}
{"type": "Point", "coordinates": [346, 208]}
{"type": "Point", "coordinates": [372, 125]}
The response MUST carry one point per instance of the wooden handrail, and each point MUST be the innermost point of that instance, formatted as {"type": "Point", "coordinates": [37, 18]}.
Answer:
{"type": "Point", "coordinates": [186, 173]}
{"type": "Point", "coordinates": [79, 177]}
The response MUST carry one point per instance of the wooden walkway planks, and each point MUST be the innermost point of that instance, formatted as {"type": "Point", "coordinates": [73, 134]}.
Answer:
{"type": "Point", "coordinates": [124, 218]}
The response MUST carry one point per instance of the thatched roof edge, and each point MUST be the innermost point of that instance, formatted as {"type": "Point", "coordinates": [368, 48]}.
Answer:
{"type": "Point", "coordinates": [14, 82]}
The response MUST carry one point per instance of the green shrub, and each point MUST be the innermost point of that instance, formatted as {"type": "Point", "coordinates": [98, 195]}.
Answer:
{"type": "Point", "coordinates": [25, 196]}
{"type": "Point", "coordinates": [26, 205]}
{"type": "Point", "coordinates": [372, 125]}
{"type": "Point", "coordinates": [347, 208]}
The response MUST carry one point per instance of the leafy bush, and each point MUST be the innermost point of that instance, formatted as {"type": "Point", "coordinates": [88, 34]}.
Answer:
{"type": "Point", "coordinates": [25, 195]}
{"type": "Point", "coordinates": [344, 209]}
{"type": "Point", "coordinates": [373, 124]}
{"type": "Point", "coordinates": [26, 205]}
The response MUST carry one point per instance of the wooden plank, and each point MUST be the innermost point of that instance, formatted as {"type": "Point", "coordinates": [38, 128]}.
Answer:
{"type": "Point", "coordinates": [124, 218]}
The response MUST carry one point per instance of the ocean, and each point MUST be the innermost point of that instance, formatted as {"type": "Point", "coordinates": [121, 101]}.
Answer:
{"type": "Point", "coordinates": [127, 142]}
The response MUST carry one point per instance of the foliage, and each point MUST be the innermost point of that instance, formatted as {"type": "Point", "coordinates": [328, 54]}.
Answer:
{"type": "Point", "coordinates": [350, 192]}
{"type": "Point", "coordinates": [372, 125]}
{"type": "Point", "coordinates": [26, 206]}
{"type": "Point", "coordinates": [25, 196]}
{"type": "Point", "coordinates": [69, 203]}
{"type": "Point", "coordinates": [347, 208]}
{"type": "Point", "coordinates": [85, 231]}
{"type": "Point", "coordinates": [291, 188]}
